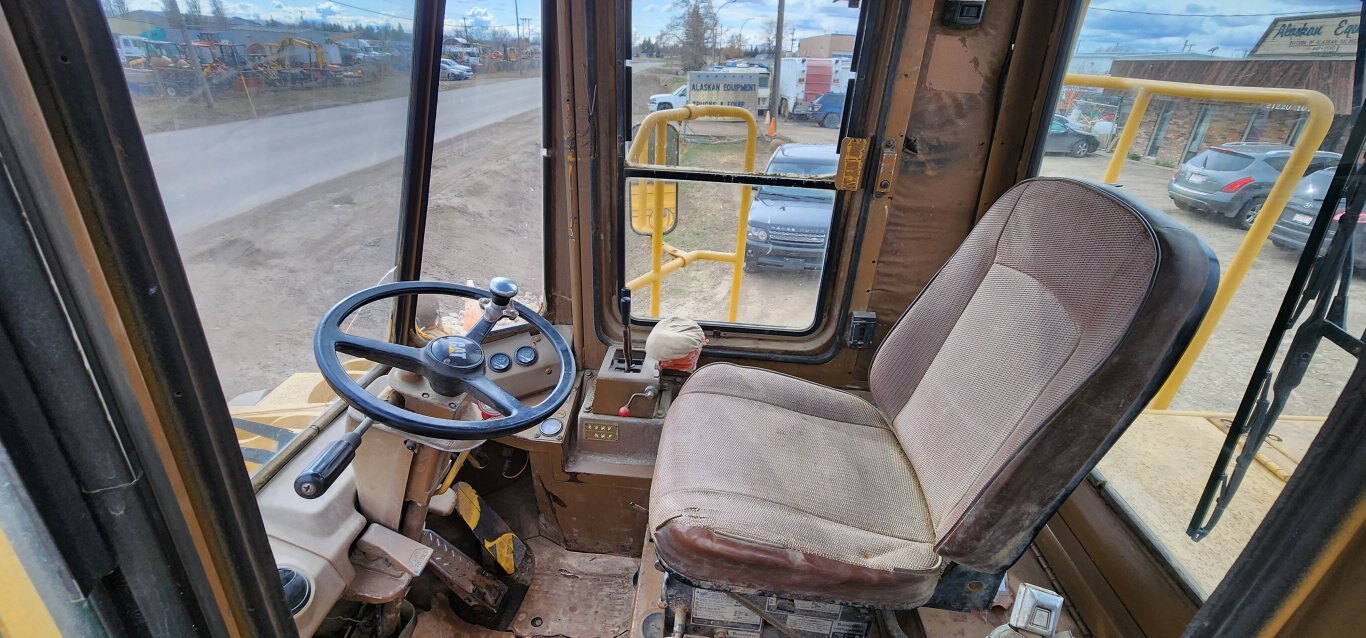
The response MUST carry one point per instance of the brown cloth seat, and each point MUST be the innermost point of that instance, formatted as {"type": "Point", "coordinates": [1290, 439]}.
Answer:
{"type": "Point", "coordinates": [996, 392]}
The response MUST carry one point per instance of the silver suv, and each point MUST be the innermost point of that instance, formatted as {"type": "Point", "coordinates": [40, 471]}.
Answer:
{"type": "Point", "coordinates": [1233, 179]}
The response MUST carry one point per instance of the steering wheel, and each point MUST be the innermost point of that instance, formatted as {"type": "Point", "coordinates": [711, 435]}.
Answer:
{"type": "Point", "coordinates": [451, 365]}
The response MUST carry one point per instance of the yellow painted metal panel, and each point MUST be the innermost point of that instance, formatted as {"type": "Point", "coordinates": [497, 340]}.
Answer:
{"type": "Point", "coordinates": [22, 612]}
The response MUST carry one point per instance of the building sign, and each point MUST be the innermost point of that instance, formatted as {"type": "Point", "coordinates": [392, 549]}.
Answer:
{"type": "Point", "coordinates": [1310, 35]}
{"type": "Point", "coordinates": [713, 88]}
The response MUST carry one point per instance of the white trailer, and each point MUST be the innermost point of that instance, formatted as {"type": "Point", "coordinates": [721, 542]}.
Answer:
{"type": "Point", "coordinates": [805, 79]}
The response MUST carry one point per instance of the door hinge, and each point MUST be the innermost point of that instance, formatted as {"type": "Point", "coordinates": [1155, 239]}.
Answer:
{"type": "Point", "coordinates": [862, 327]}
{"type": "Point", "coordinates": [853, 155]}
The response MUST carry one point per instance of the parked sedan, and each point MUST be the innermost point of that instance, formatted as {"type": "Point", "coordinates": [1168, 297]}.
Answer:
{"type": "Point", "coordinates": [1069, 138]}
{"type": "Point", "coordinates": [1233, 180]}
{"type": "Point", "coordinates": [1291, 231]}
{"type": "Point", "coordinates": [452, 70]}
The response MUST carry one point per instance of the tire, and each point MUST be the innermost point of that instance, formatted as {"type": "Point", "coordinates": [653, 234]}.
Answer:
{"type": "Point", "coordinates": [1183, 206]}
{"type": "Point", "coordinates": [664, 106]}
{"type": "Point", "coordinates": [171, 91]}
{"type": "Point", "coordinates": [1079, 148]}
{"type": "Point", "coordinates": [831, 120]}
{"type": "Point", "coordinates": [751, 267]}
{"type": "Point", "coordinates": [1248, 213]}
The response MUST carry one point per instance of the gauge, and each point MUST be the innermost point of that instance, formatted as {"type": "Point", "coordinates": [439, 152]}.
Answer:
{"type": "Point", "coordinates": [500, 362]}
{"type": "Point", "coordinates": [526, 355]}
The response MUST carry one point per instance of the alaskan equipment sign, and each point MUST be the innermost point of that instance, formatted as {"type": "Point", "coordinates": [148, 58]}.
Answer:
{"type": "Point", "coordinates": [719, 88]}
{"type": "Point", "coordinates": [1334, 34]}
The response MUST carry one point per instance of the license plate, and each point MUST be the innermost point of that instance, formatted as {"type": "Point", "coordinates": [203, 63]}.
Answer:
{"type": "Point", "coordinates": [1301, 218]}
{"type": "Point", "coordinates": [1196, 178]}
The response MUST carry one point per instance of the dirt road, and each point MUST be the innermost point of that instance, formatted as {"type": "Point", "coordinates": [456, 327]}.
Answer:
{"type": "Point", "coordinates": [213, 172]}
{"type": "Point", "coordinates": [262, 279]}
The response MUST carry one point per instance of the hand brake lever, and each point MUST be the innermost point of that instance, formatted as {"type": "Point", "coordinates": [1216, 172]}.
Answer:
{"type": "Point", "coordinates": [326, 467]}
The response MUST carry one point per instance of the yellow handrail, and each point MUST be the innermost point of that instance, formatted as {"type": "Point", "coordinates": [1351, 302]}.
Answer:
{"type": "Point", "coordinates": [656, 123]}
{"type": "Point", "coordinates": [1320, 110]}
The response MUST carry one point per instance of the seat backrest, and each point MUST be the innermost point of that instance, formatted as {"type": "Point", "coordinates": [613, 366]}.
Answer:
{"type": "Point", "coordinates": [1030, 352]}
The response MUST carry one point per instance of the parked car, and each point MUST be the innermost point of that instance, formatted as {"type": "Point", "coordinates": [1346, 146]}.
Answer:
{"type": "Point", "coordinates": [1066, 136]}
{"type": "Point", "coordinates": [452, 70]}
{"type": "Point", "coordinates": [828, 109]}
{"type": "Point", "coordinates": [788, 226]}
{"type": "Point", "coordinates": [1291, 231]}
{"type": "Point", "coordinates": [665, 101]}
{"type": "Point", "coordinates": [1233, 179]}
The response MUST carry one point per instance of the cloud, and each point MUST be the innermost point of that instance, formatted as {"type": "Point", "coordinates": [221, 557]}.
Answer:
{"type": "Point", "coordinates": [481, 17]}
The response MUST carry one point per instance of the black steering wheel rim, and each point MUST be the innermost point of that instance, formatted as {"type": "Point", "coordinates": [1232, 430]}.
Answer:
{"type": "Point", "coordinates": [330, 337]}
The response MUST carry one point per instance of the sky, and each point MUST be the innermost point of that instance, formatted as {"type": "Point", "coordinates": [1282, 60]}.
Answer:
{"type": "Point", "coordinates": [1138, 25]}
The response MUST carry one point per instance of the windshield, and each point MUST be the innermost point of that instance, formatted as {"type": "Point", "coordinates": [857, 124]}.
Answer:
{"type": "Point", "coordinates": [277, 135]}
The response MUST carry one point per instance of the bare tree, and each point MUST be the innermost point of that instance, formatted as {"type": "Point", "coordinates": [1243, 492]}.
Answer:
{"type": "Point", "coordinates": [770, 27]}
{"type": "Point", "coordinates": [220, 15]}
{"type": "Point", "coordinates": [194, 12]}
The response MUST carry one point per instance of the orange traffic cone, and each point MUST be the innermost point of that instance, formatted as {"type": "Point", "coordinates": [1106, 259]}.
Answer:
{"type": "Point", "coordinates": [772, 126]}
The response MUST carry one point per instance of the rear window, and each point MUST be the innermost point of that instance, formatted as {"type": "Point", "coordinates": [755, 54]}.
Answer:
{"type": "Point", "coordinates": [1217, 160]}
{"type": "Point", "coordinates": [1277, 163]}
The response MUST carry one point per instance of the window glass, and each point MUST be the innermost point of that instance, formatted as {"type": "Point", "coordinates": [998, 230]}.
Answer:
{"type": "Point", "coordinates": [732, 54]}
{"type": "Point", "coordinates": [485, 216]}
{"type": "Point", "coordinates": [780, 262]}
{"type": "Point", "coordinates": [1220, 160]}
{"type": "Point", "coordinates": [276, 134]}
{"type": "Point", "coordinates": [1159, 468]}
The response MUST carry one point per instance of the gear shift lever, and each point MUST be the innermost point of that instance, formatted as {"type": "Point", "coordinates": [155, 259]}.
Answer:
{"type": "Point", "coordinates": [624, 298]}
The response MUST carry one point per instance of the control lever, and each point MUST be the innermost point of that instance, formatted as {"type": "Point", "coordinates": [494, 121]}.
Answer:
{"type": "Point", "coordinates": [624, 298]}
{"type": "Point", "coordinates": [324, 470]}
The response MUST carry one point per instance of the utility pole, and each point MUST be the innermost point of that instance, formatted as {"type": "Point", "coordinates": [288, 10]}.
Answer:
{"type": "Point", "coordinates": [517, 12]}
{"type": "Point", "coordinates": [775, 85]}
{"type": "Point", "coordinates": [177, 19]}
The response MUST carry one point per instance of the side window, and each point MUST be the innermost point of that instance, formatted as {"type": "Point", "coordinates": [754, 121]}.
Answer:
{"type": "Point", "coordinates": [1160, 468]}
{"type": "Point", "coordinates": [743, 197]}
{"type": "Point", "coordinates": [1056, 128]}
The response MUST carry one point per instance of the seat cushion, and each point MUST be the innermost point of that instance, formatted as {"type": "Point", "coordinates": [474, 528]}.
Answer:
{"type": "Point", "coordinates": [771, 484]}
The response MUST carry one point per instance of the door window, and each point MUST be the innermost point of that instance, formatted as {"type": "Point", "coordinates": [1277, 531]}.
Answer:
{"type": "Point", "coordinates": [746, 203]}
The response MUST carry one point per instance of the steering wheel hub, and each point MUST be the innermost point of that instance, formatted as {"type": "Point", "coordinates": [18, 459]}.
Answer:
{"type": "Point", "coordinates": [457, 354]}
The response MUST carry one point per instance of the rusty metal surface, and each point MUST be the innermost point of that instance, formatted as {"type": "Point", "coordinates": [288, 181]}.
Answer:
{"type": "Point", "coordinates": [933, 204]}
{"type": "Point", "coordinates": [472, 584]}
{"type": "Point", "coordinates": [853, 154]}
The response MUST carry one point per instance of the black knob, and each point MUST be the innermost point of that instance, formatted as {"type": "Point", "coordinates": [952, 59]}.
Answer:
{"type": "Point", "coordinates": [297, 589]}
{"type": "Point", "coordinates": [324, 470]}
{"type": "Point", "coordinates": [502, 290]}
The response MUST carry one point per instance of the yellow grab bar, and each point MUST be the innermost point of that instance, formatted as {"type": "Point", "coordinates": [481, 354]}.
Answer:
{"type": "Point", "coordinates": [1320, 110]}
{"type": "Point", "coordinates": [656, 124]}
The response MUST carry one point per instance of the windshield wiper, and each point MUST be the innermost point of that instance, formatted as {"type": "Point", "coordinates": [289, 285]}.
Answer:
{"type": "Point", "coordinates": [1323, 281]}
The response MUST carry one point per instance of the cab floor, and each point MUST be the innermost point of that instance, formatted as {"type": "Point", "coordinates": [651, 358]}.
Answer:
{"type": "Point", "coordinates": [596, 595]}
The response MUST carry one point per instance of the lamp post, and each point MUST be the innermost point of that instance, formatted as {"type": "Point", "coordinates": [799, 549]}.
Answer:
{"type": "Point", "coordinates": [742, 34]}
{"type": "Point", "coordinates": [716, 30]}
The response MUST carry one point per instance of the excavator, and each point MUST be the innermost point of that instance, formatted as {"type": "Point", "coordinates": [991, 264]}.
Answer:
{"type": "Point", "coordinates": [386, 401]}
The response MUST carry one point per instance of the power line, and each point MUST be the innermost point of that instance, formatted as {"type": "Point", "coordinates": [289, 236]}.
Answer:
{"type": "Point", "coordinates": [1220, 15]}
{"type": "Point", "coordinates": [379, 13]}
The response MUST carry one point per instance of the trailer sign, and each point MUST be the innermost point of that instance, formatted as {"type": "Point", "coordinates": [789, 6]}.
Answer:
{"type": "Point", "coordinates": [710, 88]}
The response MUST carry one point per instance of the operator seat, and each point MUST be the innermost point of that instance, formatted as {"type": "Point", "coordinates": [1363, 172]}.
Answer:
{"type": "Point", "coordinates": [1005, 381]}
